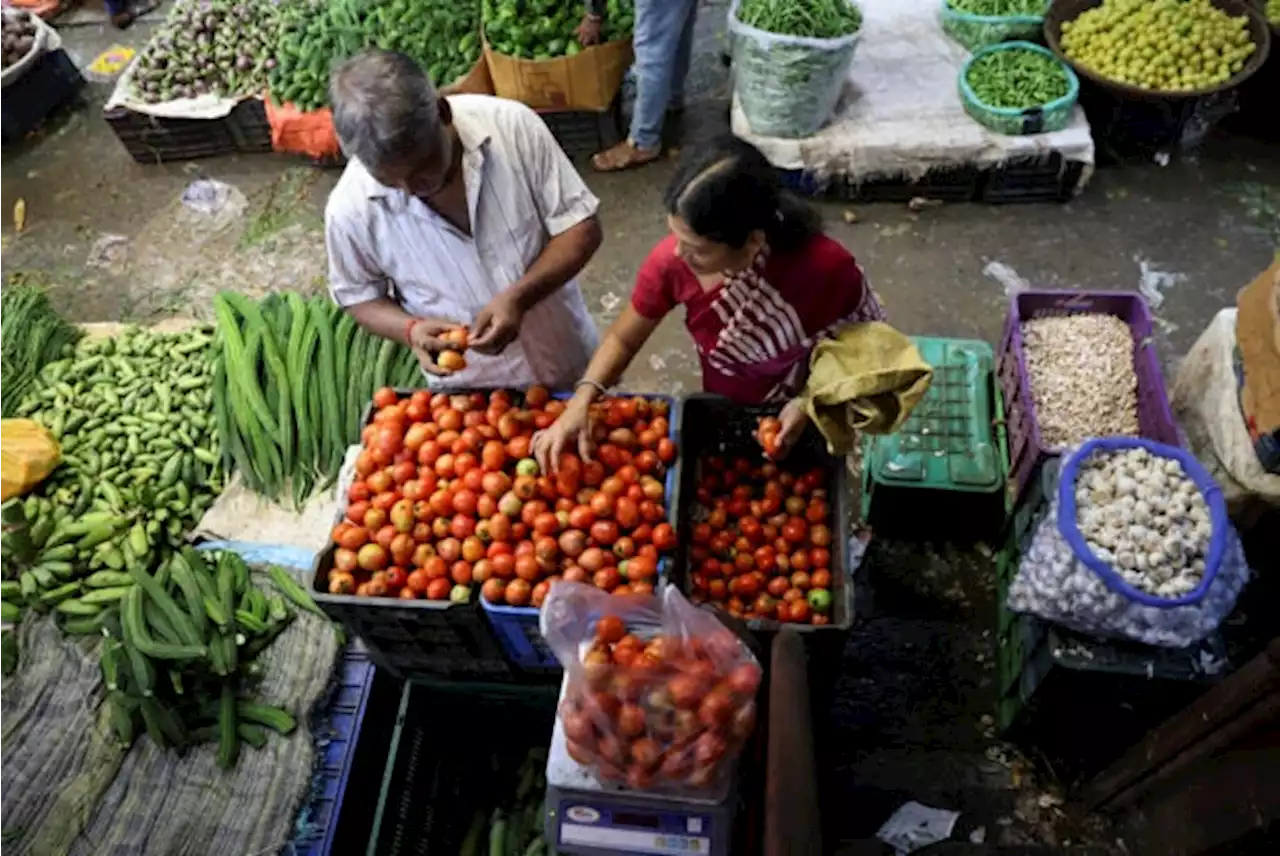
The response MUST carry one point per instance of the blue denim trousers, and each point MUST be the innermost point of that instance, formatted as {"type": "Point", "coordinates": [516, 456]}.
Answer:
{"type": "Point", "coordinates": [663, 46]}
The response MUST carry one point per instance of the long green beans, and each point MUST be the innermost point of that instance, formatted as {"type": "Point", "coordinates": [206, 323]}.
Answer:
{"type": "Point", "coordinates": [33, 336]}
{"type": "Point", "coordinates": [1017, 79]}
{"type": "Point", "coordinates": [815, 19]}
{"type": "Point", "coordinates": [999, 8]}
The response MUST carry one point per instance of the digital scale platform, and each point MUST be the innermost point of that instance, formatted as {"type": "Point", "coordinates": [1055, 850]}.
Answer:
{"type": "Point", "coordinates": [588, 817]}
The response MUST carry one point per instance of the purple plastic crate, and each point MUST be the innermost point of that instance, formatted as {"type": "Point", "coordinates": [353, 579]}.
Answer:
{"type": "Point", "coordinates": [1026, 449]}
{"type": "Point", "coordinates": [517, 626]}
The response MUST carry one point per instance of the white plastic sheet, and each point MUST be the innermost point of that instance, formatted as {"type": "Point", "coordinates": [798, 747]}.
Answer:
{"type": "Point", "coordinates": [900, 113]}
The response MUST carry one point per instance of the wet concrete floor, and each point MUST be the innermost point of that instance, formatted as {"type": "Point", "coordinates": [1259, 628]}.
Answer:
{"type": "Point", "coordinates": [912, 718]}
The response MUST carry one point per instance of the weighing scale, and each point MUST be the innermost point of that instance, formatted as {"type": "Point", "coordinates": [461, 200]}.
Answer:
{"type": "Point", "coordinates": [592, 818]}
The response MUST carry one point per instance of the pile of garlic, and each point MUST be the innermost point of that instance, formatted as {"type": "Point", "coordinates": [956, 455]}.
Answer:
{"type": "Point", "coordinates": [1082, 378]}
{"type": "Point", "coordinates": [1143, 516]}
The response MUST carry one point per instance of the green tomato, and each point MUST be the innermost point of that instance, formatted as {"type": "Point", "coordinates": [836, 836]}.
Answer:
{"type": "Point", "coordinates": [527, 467]}
{"type": "Point", "coordinates": [460, 594]}
{"type": "Point", "coordinates": [820, 601]}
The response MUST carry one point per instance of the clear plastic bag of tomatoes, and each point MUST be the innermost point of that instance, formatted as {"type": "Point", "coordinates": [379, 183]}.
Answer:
{"type": "Point", "coordinates": [660, 696]}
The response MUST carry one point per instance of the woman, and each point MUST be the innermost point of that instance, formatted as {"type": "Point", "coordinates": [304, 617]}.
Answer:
{"type": "Point", "coordinates": [760, 283]}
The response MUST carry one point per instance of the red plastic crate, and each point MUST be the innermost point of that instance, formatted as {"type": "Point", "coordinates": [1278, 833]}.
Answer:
{"type": "Point", "coordinates": [1026, 448]}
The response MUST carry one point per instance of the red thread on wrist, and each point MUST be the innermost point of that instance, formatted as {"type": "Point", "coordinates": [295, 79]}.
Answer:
{"type": "Point", "coordinates": [408, 329]}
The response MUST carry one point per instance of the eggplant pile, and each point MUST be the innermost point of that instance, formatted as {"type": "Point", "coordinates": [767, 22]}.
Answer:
{"type": "Point", "coordinates": [215, 47]}
{"type": "Point", "coordinates": [19, 35]}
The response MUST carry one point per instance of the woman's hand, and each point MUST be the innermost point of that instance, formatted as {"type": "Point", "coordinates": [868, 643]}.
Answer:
{"type": "Point", "coordinates": [794, 420]}
{"type": "Point", "coordinates": [572, 426]}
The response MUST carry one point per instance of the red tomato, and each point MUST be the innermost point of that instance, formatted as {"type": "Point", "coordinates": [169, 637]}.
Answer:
{"type": "Point", "coordinates": [527, 568]}
{"type": "Point", "coordinates": [396, 578]}
{"type": "Point", "coordinates": [592, 559]}
{"type": "Point", "coordinates": [439, 588]}
{"type": "Point", "coordinates": [518, 592]}
{"type": "Point", "coordinates": [385, 397]}
{"type": "Point", "coordinates": [604, 532]}
{"type": "Point", "coordinates": [607, 579]}
{"type": "Point", "coordinates": [664, 537]}
{"type": "Point", "coordinates": [610, 629]}
{"type": "Point", "coordinates": [602, 504]}
{"type": "Point", "coordinates": [493, 590]}
{"type": "Point", "coordinates": [626, 513]}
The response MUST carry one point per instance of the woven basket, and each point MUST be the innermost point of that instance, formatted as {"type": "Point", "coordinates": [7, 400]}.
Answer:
{"type": "Point", "coordinates": [1069, 10]}
{"type": "Point", "coordinates": [977, 31]}
{"type": "Point", "coordinates": [1008, 120]}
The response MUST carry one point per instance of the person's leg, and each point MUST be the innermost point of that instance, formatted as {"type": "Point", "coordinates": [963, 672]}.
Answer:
{"type": "Point", "coordinates": [659, 26]}
{"type": "Point", "coordinates": [684, 54]}
{"type": "Point", "coordinates": [118, 12]}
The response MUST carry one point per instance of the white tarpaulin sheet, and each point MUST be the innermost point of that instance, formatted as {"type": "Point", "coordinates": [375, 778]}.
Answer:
{"type": "Point", "coordinates": [900, 114]}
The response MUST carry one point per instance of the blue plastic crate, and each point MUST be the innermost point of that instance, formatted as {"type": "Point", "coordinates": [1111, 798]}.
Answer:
{"type": "Point", "coordinates": [517, 626]}
{"type": "Point", "coordinates": [337, 733]}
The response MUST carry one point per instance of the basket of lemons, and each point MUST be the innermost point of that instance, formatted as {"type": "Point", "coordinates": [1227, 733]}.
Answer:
{"type": "Point", "coordinates": [1160, 48]}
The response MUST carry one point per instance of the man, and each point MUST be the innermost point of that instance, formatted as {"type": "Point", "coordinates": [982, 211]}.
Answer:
{"type": "Point", "coordinates": [458, 210]}
{"type": "Point", "coordinates": [663, 45]}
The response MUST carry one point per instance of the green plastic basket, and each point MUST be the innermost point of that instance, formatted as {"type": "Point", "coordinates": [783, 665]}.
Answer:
{"type": "Point", "coordinates": [977, 31]}
{"type": "Point", "coordinates": [1008, 120]}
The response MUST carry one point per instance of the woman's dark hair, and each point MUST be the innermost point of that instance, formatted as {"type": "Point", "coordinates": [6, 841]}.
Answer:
{"type": "Point", "coordinates": [727, 189]}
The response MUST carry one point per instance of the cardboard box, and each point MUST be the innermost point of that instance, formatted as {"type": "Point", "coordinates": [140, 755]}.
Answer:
{"type": "Point", "coordinates": [477, 81]}
{"type": "Point", "coordinates": [588, 80]}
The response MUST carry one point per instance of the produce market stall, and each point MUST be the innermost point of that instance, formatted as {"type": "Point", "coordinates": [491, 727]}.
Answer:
{"type": "Point", "coordinates": [900, 122]}
{"type": "Point", "coordinates": [224, 77]}
{"type": "Point", "coordinates": [38, 76]}
{"type": "Point", "coordinates": [628, 604]}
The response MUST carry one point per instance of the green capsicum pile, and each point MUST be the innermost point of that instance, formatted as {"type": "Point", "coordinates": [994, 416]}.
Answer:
{"type": "Point", "coordinates": [544, 29]}
{"type": "Point", "coordinates": [443, 37]}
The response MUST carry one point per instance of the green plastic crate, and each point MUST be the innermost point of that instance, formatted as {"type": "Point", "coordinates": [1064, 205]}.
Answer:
{"type": "Point", "coordinates": [948, 442]}
{"type": "Point", "coordinates": [952, 446]}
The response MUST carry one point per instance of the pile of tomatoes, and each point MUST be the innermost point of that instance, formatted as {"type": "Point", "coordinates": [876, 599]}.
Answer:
{"type": "Point", "coordinates": [662, 713]}
{"type": "Point", "coordinates": [762, 545]}
{"type": "Point", "coordinates": [446, 497]}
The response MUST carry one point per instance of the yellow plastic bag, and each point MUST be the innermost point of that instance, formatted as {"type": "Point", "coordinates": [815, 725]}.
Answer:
{"type": "Point", "coordinates": [28, 453]}
{"type": "Point", "coordinates": [867, 377]}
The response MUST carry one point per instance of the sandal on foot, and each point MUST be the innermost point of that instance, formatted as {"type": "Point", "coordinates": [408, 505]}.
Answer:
{"type": "Point", "coordinates": [623, 156]}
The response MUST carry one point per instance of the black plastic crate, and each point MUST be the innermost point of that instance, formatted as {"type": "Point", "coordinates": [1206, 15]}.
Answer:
{"type": "Point", "coordinates": [710, 424]}
{"type": "Point", "coordinates": [50, 82]}
{"type": "Point", "coordinates": [249, 127]}
{"type": "Point", "coordinates": [435, 779]}
{"type": "Point", "coordinates": [583, 133]}
{"type": "Point", "coordinates": [1048, 179]}
{"type": "Point", "coordinates": [152, 139]}
{"type": "Point", "coordinates": [1051, 178]}
{"type": "Point", "coordinates": [413, 638]}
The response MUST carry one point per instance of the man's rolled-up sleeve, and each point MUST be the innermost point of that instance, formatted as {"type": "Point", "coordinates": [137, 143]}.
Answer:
{"type": "Point", "coordinates": [562, 197]}
{"type": "Point", "coordinates": [353, 275]}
